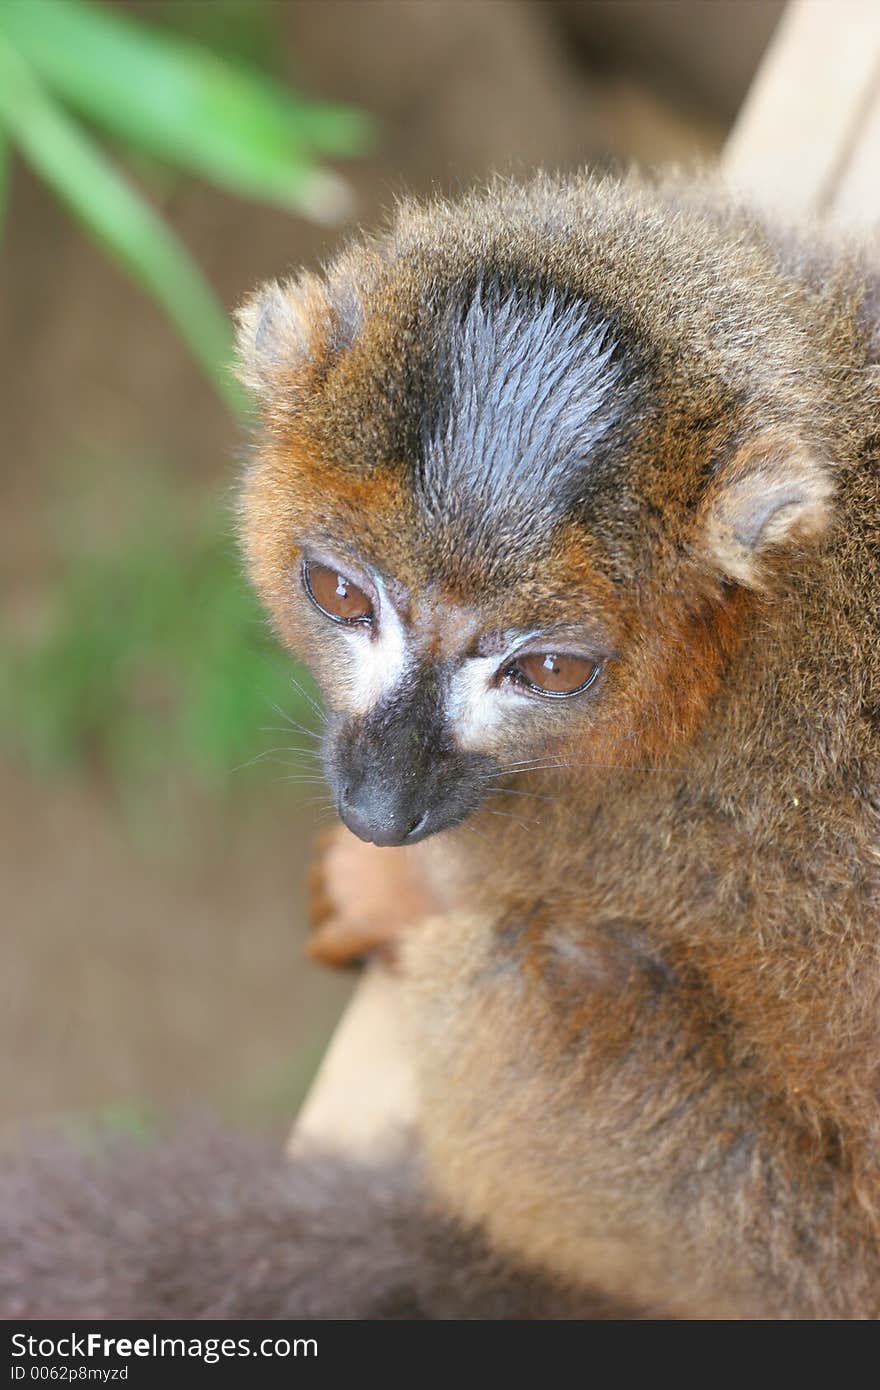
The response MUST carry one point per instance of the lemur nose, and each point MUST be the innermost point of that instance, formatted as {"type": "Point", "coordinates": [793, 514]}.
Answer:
{"type": "Point", "coordinates": [375, 818]}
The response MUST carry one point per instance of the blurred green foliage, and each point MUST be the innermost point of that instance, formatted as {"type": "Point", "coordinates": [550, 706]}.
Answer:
{"type": "Point", "coordinates": [185, 105]}
{"type": "Point", "coordinates": [151, 661]}
{"type": "Point", "coordinates": [151, 658]}
{"type": "Point", "coordinates": [244, 30]}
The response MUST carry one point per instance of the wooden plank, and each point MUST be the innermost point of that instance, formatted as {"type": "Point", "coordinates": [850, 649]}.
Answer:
{"type": "Point", "coordinates": [856, 199]}
{"type": "Point", "coordinates": [806, 111]}
{"type": "Point", "coordinates": [364, 1093]}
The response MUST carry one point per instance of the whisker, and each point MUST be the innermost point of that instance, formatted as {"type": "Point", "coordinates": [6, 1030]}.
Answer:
{"type": "Point", "coordinates": [298, 780]}
{"type": "Point", "coordinates": [514, 791]}
{"type": "Point", "coordinates": [276, 729]}
{"type": "Point", "coordinates": [309, 753]}
{"type": "Point", "coordinates": [306, 696]}
{"type": "Point", "coordinates": [601, 767]}
{"type": "Point", "coordinates": [523, 825]}
{"type": "Point", "coordinates": [472, 830]}
{"type": "Point", "coordinates": [294, 723]}
{"type": "Point", "coordinates": [270, 753]}
{"type": "Point", "coordinates": [524, 762]}
{"type": "Point", "coordinates": [251, 762]}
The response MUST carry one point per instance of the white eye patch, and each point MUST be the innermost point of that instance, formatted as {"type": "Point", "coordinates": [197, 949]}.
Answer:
{"type": "Point", "coordinates": [379, 660]}
{"type": "Point", "coordinates": [477, 708]}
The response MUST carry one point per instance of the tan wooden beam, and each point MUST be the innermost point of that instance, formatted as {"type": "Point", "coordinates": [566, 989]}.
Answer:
{"type": "Point", "coordinates": [807, 129]}
{"type": "Point", "coordinates": [364, 1094]}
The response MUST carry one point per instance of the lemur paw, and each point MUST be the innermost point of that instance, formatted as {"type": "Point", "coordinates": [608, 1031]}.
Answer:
{"type": "Point", "coordinates": [361, 899]}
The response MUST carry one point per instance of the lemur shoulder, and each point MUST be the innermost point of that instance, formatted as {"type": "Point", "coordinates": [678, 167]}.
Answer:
{"type": "Point", "coordinates": [569, 495]}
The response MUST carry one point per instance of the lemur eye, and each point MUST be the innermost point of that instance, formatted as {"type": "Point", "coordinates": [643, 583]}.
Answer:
{"type": "Point", "coordinates": [335, 595]}
{"type": "Point", "coordinates": [554, 673]}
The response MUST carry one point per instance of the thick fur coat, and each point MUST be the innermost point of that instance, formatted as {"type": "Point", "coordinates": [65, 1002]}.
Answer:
{"type": "Point", "coordinates": [644, 422]}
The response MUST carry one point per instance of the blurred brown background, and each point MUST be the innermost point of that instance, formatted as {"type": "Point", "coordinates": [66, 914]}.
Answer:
{"type": "Point", "coordinates": [153, 931]}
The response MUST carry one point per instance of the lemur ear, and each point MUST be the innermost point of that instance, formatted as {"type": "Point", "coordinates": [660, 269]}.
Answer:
{"type": "Point", "coordinates": [772, 494]}
{"type": "Point", "coordinates": [280, 328]}
{"type": "Point", "coordinates": [286, 325]}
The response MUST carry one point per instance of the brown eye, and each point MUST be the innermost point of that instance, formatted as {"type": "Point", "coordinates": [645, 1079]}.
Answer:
{"type": "Point", "coordinates": [554, 673]}
{"type": "Point", "coordinates": [335, 595]}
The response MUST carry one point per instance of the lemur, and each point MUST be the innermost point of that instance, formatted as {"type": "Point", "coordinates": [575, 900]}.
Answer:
{"type": "Point", "coordinates": [568, 493]}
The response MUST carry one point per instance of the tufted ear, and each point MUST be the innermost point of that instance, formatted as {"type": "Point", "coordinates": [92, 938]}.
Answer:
{"type": "Point", "coordinates": [773, 494]}
{"type": "Point", "coordinates": [280, 329]}
{"type": "Point", "coordinates": [286, 325]}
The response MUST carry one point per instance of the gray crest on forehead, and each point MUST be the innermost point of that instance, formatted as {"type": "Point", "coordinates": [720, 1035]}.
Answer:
{"type": "Point", "coordinates": [530, 390]}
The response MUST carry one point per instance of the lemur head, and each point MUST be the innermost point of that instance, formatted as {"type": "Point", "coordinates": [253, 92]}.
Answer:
{"type": "Point", "coordinates": [523, 462]}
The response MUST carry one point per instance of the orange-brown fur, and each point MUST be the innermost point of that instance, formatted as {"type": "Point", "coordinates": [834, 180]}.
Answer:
{"type": "Point", "coordinates": [647, 1030]}
{"type": "Point", "coordinates": [643, 1000]}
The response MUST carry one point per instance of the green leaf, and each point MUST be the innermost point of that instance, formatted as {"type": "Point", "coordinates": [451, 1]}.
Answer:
{"type": "Point", "coordinates": [152, 659]}
{"type": "Point", "coordinates": [186, 105]}
{"type": "Point", "coordinates": [4, 177]}
{"type": "Point", "coordinates": [116, 216]}
{"type": "Point", "coordinates": [243, 31]}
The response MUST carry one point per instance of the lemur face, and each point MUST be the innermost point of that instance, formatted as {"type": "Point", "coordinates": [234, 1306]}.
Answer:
{"type": "Point", "coordinates": [473, 516]}
{"type": "Point", "coordinates": [454, 611]}
{"type": "Point", "coordinates": [431, 700]}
